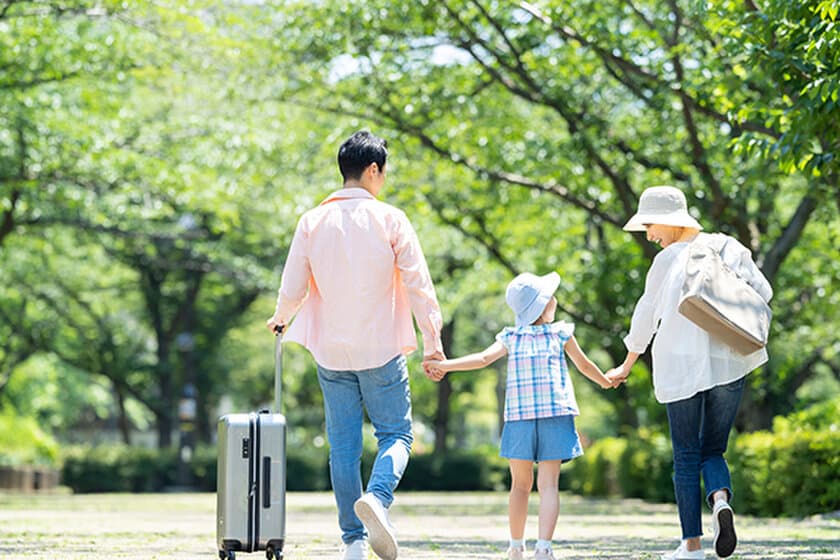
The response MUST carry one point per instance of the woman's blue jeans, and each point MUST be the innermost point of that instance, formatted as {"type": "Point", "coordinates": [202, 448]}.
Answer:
{"type": "Point", "coordinates": [384, 393]}
{"type": "Point", "coordinates": [700, 428]}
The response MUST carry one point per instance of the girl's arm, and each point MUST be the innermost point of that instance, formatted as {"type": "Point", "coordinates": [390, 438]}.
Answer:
{"type": "Point", "coordinates": [586, 366]}
{"type": "Point", "coordinates": [471, 361]}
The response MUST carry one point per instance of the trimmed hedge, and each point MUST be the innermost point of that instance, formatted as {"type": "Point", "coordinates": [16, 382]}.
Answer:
{"type": "Point", "coordinates": [481, 469]}
{"type": "Point", "coordinates": [634, 467]}
{"type": "Point", "coordinates": [792, 471]}
{"type": "Point", "coordinates": [118, 468]}
{"type": "Point", "coordinates": [595, 473]}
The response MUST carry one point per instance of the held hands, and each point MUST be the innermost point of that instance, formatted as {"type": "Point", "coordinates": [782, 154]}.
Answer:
{"type": "Point", "coordinates": [617, 375]}
{"type": "Point", "coordinates": [432, 366]}
{"type": "Point", "coordinates": [609, 382]}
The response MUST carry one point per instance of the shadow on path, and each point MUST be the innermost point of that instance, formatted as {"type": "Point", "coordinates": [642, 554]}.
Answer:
{"type": "Point", "coordinates": [445, 526]}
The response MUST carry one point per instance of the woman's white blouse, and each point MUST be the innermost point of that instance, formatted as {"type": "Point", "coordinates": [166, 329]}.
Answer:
{"type": "Point", "coordinates": [686, 359]}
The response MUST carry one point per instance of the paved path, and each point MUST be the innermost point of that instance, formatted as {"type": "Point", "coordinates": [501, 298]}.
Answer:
{"type": "Point", "coordinates": [430, 526]}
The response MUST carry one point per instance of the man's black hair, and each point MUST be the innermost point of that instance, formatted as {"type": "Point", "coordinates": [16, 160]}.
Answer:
{"type": "Point", "coordinates": [358, 152]}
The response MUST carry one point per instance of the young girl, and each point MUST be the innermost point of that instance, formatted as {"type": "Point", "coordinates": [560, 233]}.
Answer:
{"type": "Point", "coordinates": [540, 403]}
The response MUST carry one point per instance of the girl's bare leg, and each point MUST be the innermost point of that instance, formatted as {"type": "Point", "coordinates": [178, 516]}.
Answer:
{"type": "Point", "coordinates": [522, 480]}
{"type": "Point", "coordinates": [548, 477]}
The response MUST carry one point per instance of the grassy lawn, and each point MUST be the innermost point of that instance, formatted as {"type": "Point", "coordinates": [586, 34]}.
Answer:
{"type": "Point", "coordinates": [430, 526]}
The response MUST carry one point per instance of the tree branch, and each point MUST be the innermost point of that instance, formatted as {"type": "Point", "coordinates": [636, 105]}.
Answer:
{"type": "Point", "coordinates": [804, 372]}
{"type": "Point", "coordinates": [12, 356]}
{"type": "Point", "coordinates": [41, 10]}
{"type": "Point", "coordinates": [427, 141]}
{"type": "Point", "coordinates": [698, 151]}
{"type": "Point", "coordinates": [489, 242]}
{"type": "Point", "coordinates": [8, 223]}
{"type": "Point", "coordinates": [535, 94]}
{"type": "Point", "coordinates": [93, 366]}
{"type": "Point", "coordinates": [648, 23]}
{"type": "Point", "coordinates": [187, 303]}
{"type": "Point", "coordinates": [789, 238]}
{"type": "Point", "coordinates": [499, 29]}
{"type": "Point", "coordinates": [631, 68]}
{"type": "Point", "coordinates": [649, 163]}
{"type": "Point", "coordinates": [675, 31]}
{"type": "Point", "coordinates": [6, 7]}
{"type": "Point", "coordinates": [38, 81]}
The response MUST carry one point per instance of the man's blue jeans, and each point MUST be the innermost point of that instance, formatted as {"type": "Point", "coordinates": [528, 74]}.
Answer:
{"type": "Point", "coordinates": [384, 393]}
{"type": "Point", "coordinates": [700, 428]}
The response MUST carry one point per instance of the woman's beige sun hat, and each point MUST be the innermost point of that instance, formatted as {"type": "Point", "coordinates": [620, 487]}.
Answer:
{"type": "Point", "coordinates": [662, 205]}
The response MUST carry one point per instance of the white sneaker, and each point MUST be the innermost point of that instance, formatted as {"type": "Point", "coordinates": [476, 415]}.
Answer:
{"type": "Point", "coordinates": [681, 553]}
{"type": "Point", "coordinates": [545, 554]}
{"type": "Point", "coordinates": [516, 553]}
{"type": "Point", "coordinates": [356, 550]}
{"type": "Point", "coordinates": [723, 521]}
{"type": "Point", "coordinates": [380, 532]}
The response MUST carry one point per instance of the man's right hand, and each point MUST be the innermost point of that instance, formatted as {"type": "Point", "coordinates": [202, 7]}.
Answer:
{"type": "Point", "coordinates": [272, 325]}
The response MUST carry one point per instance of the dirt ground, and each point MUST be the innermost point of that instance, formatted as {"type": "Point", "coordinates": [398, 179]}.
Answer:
{"type": "Point", "coordinates": [429, 526]}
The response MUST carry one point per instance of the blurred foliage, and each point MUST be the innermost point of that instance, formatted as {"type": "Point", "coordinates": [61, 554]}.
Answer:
{"type": "Point", "coordinates": [23, 442]}
{"type": "Point", "coordinates": [799, 46]}
{"type": "Point", "coordinates": [154, 159]}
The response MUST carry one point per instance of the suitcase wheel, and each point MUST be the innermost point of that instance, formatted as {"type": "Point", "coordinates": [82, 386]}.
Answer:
{"type": "Point", "coordinates": [273, 554]}
{"type": "Point", "coordinates": [227, 555]}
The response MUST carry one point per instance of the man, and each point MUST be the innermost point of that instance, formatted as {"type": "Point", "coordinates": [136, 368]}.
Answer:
{"type": "Point", "coordinates": [356, 271]}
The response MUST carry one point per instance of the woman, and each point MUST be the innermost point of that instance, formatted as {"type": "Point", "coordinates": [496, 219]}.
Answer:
{"type": "Point", "coordinates": [698, 378]}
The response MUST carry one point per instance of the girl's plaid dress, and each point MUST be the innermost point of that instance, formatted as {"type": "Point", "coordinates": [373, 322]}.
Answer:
{"type": "Point", "coordinates": [538, 381]}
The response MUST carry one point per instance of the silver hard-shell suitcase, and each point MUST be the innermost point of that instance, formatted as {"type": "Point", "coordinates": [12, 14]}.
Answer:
{"type": "Point", "coordinates": [251, 483]}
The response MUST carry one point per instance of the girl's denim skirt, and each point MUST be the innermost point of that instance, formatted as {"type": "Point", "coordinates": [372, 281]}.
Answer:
{"type": "Point", "coordinates": [541, 439]}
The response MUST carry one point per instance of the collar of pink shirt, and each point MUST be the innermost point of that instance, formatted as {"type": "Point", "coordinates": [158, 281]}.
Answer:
{"type": "Point", "coordinates": [348, 192]}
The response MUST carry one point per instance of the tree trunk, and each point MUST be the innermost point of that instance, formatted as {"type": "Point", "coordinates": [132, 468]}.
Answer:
{"type": "Point", "coordinates": [441, 422]}
{"type": "Point", "coordinates": [442, 415]}
{"type": "Point", "coordinates": [7, 223]}
{"type": "Point", "coordinates": [165, 418]}
{"type": "Point", "coordinates": [122, 416]}
{"type": "Point", "coordinates": [165, 412]}
{"type": "Point", "coordinates": [756, 411]}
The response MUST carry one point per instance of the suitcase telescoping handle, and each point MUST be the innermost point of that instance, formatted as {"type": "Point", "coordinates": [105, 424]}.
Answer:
{"type": "Point", "coordinates": [278, 368]}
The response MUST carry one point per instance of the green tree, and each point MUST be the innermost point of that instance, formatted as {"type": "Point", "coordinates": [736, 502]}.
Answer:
{"type": "Point", "coordinates": [558, 115]}
{"type": "Point", "coordinates": [116, 143]}
{"type": "Point", "coordinates": [154, 159]}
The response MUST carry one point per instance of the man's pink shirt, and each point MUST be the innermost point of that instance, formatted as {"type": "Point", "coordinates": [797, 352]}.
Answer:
{"type": "Point", "coordinates": [354, 274]}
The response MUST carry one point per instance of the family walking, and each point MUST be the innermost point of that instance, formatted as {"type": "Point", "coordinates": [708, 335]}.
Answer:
{"type": "Point", "coordinates": [356, 274]}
